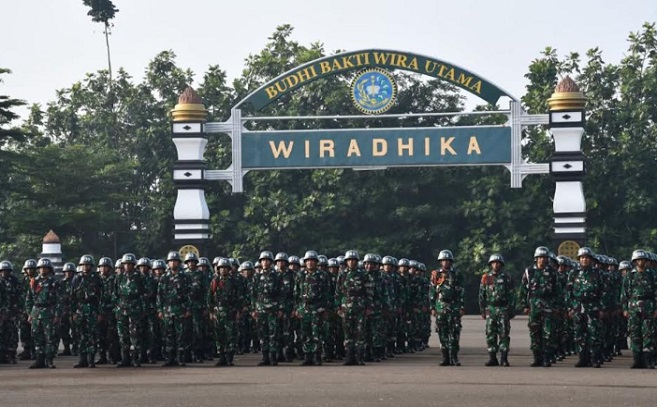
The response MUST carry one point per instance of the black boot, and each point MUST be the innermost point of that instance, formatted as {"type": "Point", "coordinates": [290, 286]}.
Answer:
{"type": "Point", "coordinates": [359, 357]}
{"type": "Point", "coordinates": [171, 359]}
{"type": "Point", "coordinates": [368, 354]}
{"type": "Point", "coordinates": [182, 357]}
{"type": "Point", "coordinates": [136, 358]}
{"type": "Point", "coordinates": [446, 361]}
{"type": "Point", "coordinates": [66, 351]}
{"type": "Point", "coordinates": [308, 360]}
{"type": "Point", "coordinates": [638, 360]}
{"type": "Point", "coordinates": [265, 359]}
{"type": "Point", "coordinates": [454, 358]}
{"type": "Point", "coordinates": [25, 355]}
{"type": "Point", "coordinates": [289, 354]}
{"type": "Point", "coordinates": [583, 359]}
{"type": "Point", "coordinates": [40, 362]}
{"type": "Point", "coordinates": [280, 356]}
{"type": "Point", "coordinates": [378, 354]}
{"type": "Point", "coordinates": [504, 359]}
{"type": "Point", "coordinates": [318, 358]}
{"type": "Point", "coordinates": [222, 359]}
{"type": "Point", "coordinates": [350, 359]}
{"type": "Point", "coordinates": [82, 361]}
{"type": "Point", "coordinates": [143, 356]}
{"type": "Point", "coordinates": [231, 355]}
{"type": "Point", "coordinates": [187, 357]}
{"type": "Point", "coordinates": [50, 361]}
{"type": "Point", "coordinates": [492, 359]}
{"type": "Point", "coordinates": [547, 359]}
{"type": "Point", "coordinates": [596, 358]}
{"type": "Point", "coordinates": [102, 360]}
{"type": "Point", "coordinates": [90, 357]}
{"type": "Point", "coordinates": [537, 359]}
{"type": "Point", "coordinates": [125, 358]}
{"type": "Point", "coordinates": [273, 358]}
{"type": "Point", "coordinates": [648, 360]}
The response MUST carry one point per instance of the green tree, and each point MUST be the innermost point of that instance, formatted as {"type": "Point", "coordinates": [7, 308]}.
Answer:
{"type": "Point", "coordinates": [103, 11]}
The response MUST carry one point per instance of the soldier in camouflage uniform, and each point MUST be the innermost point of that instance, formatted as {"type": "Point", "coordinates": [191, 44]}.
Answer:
{"type": "Point", "coordinates": [615, 284]}
{"type": "Point", "coordinates": [355, 293]}
{"type": "Point", "coordinates": [66, 325]}
{"type": "Point", "coordinates": [447, 293]}
{"type": "Point", "coordinates": [25, 328]}
{"type": "Point", "coordinates": [334, 337]}
{"type": "Point", "coordinates": [198, 296]}
{"type": "Point", "coordinates": [157, 352]}
{"type": "Point", "coordinates": [108, 335]}
{"type": "Point", "coordinates": [42, 301]}
{"type": "Point", "coordinates": [405, 305]}
{"type": "Point", "coordinates": [497, 306]}
{"type": "Point", "coordinates": [174, 308]}
{"type": "Point", "coordinates": [265, 301]}
{"type": "Point", "coordinates": [375, 332]}
{"type": "Point", "coordinates": [149, 323]}
{"type": "Point", "coordinates": [285, 351]}
{"type": "Point", "coordinates": [425, 316]}
{"type": "Point", "coordinates": [623, 268]}
{"type": "Point", "coordinates": [638, 297]}
{"type": "Point", "coordinates": [225, 305]}
{"type": "Point", "coordinates": [563, 324]}
{"type": "Point", "coordinates": [247, 339]}
{"type": "Point", "coordinates": [297, 346]}
{"type": "Point", "coordinates": [537, 294]}
{"type": "Point", "coordinates": [130, 291]}
{"type": "Point", "coordinates": [10, 293]}
{"type": "Point", "coordinates": [391, 317]}
{"type": "Point", "coordinates": [86, 293]}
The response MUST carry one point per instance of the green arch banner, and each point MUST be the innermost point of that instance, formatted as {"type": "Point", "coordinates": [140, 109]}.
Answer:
{"type": "Point", "coordinates": [389, 59]}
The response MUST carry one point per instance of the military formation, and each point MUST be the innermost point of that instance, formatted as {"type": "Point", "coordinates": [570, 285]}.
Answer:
{"type": "Point", "coordinates": [316, 310]}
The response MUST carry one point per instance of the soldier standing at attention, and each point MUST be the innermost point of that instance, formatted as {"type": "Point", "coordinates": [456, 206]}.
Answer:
{"type": "Point", "coordinates": [86, 294]}
{"type": "Point", "coordinates": [537, 293]}
{"type": "Point", "coordinates": [149, 322]}
{"type": "Point", "coordinates": [285, 351]}
{"type": "Point", "coordinates": [224, 303]}
{"type": "Point", "coordinates": [29, 274]}
{"type": "Point", "coordinates": [266, 299]}
{"type": "Point", "coordinates": [448, 294]}
{"type": "Point", "coordinates": [66, 325]}
{"type": "Point", "coordinates": [174, 308]}
{"type": "Point", "coordinates": [130, 292]}
{"type": "Point", "coordinates": [497, 305]}
{"type": "Point", "coordinates": [108, 336]}
{"type": "Point", "coordinates": [43, 302]}
{"type": "Point", "coordinates": [355, 292]}
{"type": "Point", "coordinates": [198, 296]}
{"type": "Point", "coordinates": [10, 311]}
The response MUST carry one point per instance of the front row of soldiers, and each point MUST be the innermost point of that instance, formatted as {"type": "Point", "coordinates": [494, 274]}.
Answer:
{"type": "Point", "coordinates": [139, 311]}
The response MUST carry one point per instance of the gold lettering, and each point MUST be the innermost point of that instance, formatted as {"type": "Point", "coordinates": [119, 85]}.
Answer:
{"type": "Point", "coordinates": [336, 65]}
{"type": "Point", "coordinates": [281, 148]}
{"type": "Point", "coordinates": [325, 67]}
{"type": "Point", "coordinates": [307, 148]}
{"type": "Point", "coordinates": [476, 87]}
{"type": "Point", "coordinates": [450, 74]}
{"type": "Point", "coordinates": [271, 92]}
{"type": "Point", "coordinates": [464, 80]}
{"type": "Point", "coordinates": [306, 74]}
{"type": "Point", "coordinates": [346, 62]}
{"type": "Point", "coordinates": [326, 146]}
{"type": "Point", "coordinates": [445, 145]}
{"type": "Point", "coordinates": [408, 147]}
{"type": "Point", "coordinates": [367, 58]}
{"type": "Point", "coordinates": [281, 86]}
{"type": "Point", "coordinates": [379, 147]}
{"type": "Point", "coordinates": [353, 148]}
{"type": "Point", "coordinates": [473, 146]}
{"type": "Point", "coordinates": [441, 70]}
{"type": "Point", "coordinates": [381, 59]}
{"type": "Point", "coordinates": [413, 64]}
{"type": "Point", "coordinates": [401, 61]}
{"type": "Point", "coordinates": [292, 81]}
{"type": "Point", "coordinates": [428, 64]}
{"type": "Point", "coordinates": [426, 146]}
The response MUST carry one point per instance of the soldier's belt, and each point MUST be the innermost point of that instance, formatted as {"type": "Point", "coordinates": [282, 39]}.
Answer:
{"type": "Point", "coordinates": [499, 304]}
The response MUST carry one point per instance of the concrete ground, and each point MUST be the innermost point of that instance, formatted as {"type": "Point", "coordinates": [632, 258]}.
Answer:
{"type": "Point", "coordinates": [407, 380]}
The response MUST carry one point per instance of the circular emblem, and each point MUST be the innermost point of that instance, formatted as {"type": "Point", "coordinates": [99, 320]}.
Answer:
{"type": "Point", "coordinates": [373, 91]}
{"type": "Point", "coordinates": [568, 248]}
{"type": "Point", "coordinates": [188, 249]}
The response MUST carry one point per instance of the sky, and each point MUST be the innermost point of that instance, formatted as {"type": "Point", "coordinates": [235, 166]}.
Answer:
{"type": "Point", "coordinates": [51, 44]}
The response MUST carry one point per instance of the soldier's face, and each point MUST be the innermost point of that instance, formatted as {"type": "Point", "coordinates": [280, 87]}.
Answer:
{"type": "Point", "coordinates": [30, 272]}
{"type": "Point", "coordinates": [334, 270]}
{"type": "Point", "coordinates": [191, 265]}
{"type": "Point", "coordinates": [541, 262]}
{"type": "Point", "coordinates": [496, 266]}
{"type": "Point", "coordinates": [281, 265]}
{"type": "Point", "coordinates": [585, 261]}
{"type": "Point", "coordinates": [369, 266]}
{"type": "Point", "coordinates": [403, 269]}
{"type": "Point", "coordinates": [295, 267]}
{"type": "Point", "coordinates": [43, 271]}
{"type": "Point", "coordinates": [86, 268]}
{"type": "Point", "coordinates": [388, 268]}
{"type": "Point", "coordinates": [173, 264]}
{"type": "Point", "coordinates": [223, 271]}
{"type": "Point", "coordinates": [446, 264]}
{"type": "Point", "coordinates": [641, 263]}
{"type": "Point", "coordinates": [352, 263]}
{"type": "Point", "coordinates": [128, 267]}
{"type": "Point", "coordinates": [311, 264]}
{"type": "Point", "coordinates": [265, 263]}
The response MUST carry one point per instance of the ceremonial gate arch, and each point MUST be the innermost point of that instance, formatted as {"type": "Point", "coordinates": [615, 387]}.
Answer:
{"type": "Point", "coordinates": [374, 148]}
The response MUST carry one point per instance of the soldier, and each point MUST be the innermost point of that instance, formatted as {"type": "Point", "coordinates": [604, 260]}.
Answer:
{"type": "Point", "coordinates": [624, 268]}
{"type": "Point", "coordinates": [246, 340]}
{"type": "Point", "coordinates": [313, 300]}
{"type": "Point", "coordinates": [86, 293]}
{"type": "Point", "coordinates": [334, 345]}
{"type": "Point", "coordinates": [225, 304]}
{"type": "Point", "coordinates": [638, 297]}
{"type": "Point", "coordinates": [405, 305]}
{"type": "Point", "coordinates": [355, 294]}
{"type": "Point", "coordinates": [148, 324]}
{"type": "Point", "coordinates": [174, 308]}
{"type": "Point", "coordinates": [25, 328]}
{"type": "Point", "coordinates": [563, 326]}
{"type": "Point", "coordinates": [374, 328]}
{"type": "Point", "coordinates": [266, 304]}
{"type": "Point", "coordinates": [285, 352]}
{"type": "Point", "coordinates": [156, 352]}
{"type": "Point", "coordinates": [108, 336]}
{"type": "Point", "coordinates": [497, 307]}
{"type": "Point", "coordinates": [67, 325]}
{"type": "Point", "coordinates": [425, 316]}
{"type": "Point", "coordinates": [447, 294]}
{"type": "Point", "coordinates": [198, 295]}
{"type": "Point", "coordinates": [297, 346]}
{"type": "Point", "coordinates": [130, 292]}
{"type": "Point", "coordinates": [391, 317]}
{"type": "Point", "coordinates": [10, 293]}
{"type": "Point", "coordinates": [537, 293]}
{"type": "Point", "coordinates": [615, 284]}
{"type": "Point", "coordinates": [43, 302]}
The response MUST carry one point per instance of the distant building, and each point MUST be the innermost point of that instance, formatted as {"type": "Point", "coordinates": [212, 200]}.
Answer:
{"type": "Point", "coordinates": [52, 249]}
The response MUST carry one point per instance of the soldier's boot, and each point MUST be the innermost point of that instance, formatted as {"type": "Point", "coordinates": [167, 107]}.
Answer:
{"type": "Point", "coordinates": [492, 359]}
{"type": "Point", "coordinates": [377, 354]}
{"type": "Point", "coordinates": [454, 358]}
{"type": "Point", "coordinates": [40, 362]}
{"type": "Point", "coordinates": [597, 358]}
{"type": "Point", "coordinates": [12, 357]}
{"type": "Point", "coordinates": [537, 359]}
{"type": "Point", "coordinates": [102, 359]}
{"type": "Point", "coordinates": [391, 349]}
{"type": "Point", "coordinates": [188, 356]}
{"type": "Point", "coordinates": [143, 356]}
{"type": "Point", "coordinates": [411, 346]}
{"type": "Point", "coordinates": [350, 358]}
{"type": "Point", "coordinates": [182, 358]}
{"type": "Point", "coordinates": [648, 360]}
{"type": "Point", "coordinates": [359, 357]}
{"type": "Point", "coordinates": [90, 357]}
{"type": "Point", "coordinates": [307, 360]}
{"type": "Point", "coordinates": [265, 359]}
{"type": "Point", "coordinates": [3, 358]}
{"type": "Point", "coordinates": [273, 358]}
{"type": "Point", "coordinates": [446, 361]}
{"type": "Point", "coordinates": [82, 361]}
{"type": "Point", "coordinates": [152, 356]}
{"type": "Point", "coordinates": [329, 355]}
{"type": "Point", "coordinates": [66, 351]}
{"type": "Point", "coordinates": [547, 359]}
{"type": "Point", "coordinates": [171, 359]}
{"type": "Point", "coordinates": [50, 361]}
{"type": "Point", "coordinates": [222, 359]}
{"type": "Point", "coordinates": [318, 358]}
{"type": "Point", "coordinates": [231, 356]}
{"type": "Point", "coordinates": [198, 356]}
{"type": "Point", "coordinates": [125, 359]}
{"type": "Point", "coordinates": [367, 356]}
{"type": "Point", "coordinates": [583, 360]}
{"type": "Point", "coordinates": [637, 360]}
{"type": "Point", "coordinates": [25, 355]}
{"type": "Point", "coordinates": [136, 358]}
{"type": "Point", "coordinates": [504, 358]}
{"type": "Point", "coordinates": [75, 350]}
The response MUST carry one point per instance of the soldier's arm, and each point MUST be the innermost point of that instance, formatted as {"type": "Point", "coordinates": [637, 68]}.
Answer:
{"type": "Point", "coordinates": [482, 295]}
{"type": "Point", "coordinates": [461, 292]}
{"type": "Point", "coordinates": [522, 296]}
{"type": "Point", "coordinates": [625, 295]}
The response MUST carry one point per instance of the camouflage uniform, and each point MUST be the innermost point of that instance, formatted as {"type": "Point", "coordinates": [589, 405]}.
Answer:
{"type": "Point", "coordinates": [174, 305]}
{"type": "Point", "coordinates": [375, 330]}
{"type": "Point", "coordinates": [313, 301]}
{"type": "Point", "coordinates": [108, 335]}
{"type": "Point", "coordinates": [286, 345]}
{"type": "Point", "coordinates": [86, 294]}
{"type": "Point", "coordinates": [66, 326]}
{"type": "Point", "coordinates": [198, 295]}
{"type": "Point", "coordinates": [130, 291]}
{"type": "Point", "coordinates": [10, 312]}
{"type": "Point", "coordinates": [43, 299]}
{"type": "Point", "coordinates": [225, 304]}
{"type": "Point", "coordinates": [448, 301]}
{"type": "Point", "coordinates": [265, 301]}
{"type": "Point", "coordinates": [25, 328]}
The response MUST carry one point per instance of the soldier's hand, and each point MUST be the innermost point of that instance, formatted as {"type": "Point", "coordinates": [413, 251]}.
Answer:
{"type": "Point", "coordinates": [368, 312]}
{"type": "Point", "coordinates": [462, 312]}
{"type": "Point", "coordinates": [254, 315]}
{"type": "Point", "coordinates": [101, 318]}
{"type": "Point", "coordinates": [626, 314]}
{"type": "Point", "coordinates": [213, 316]}
{"type": "Point", "coordinates": [434, 313]}
{"type": "Point", "coordinates": [160, 315]}
{"type": "Point", "coordinates": [56, 320]}
{"type": "Point", "coordinates": [602, 314]}
{"type": "Point", "coordinates": [571, 313]}
{"type": "Point", "coordinates": [75, 317]}
{"type": "Point", "coordinates": [29, 319]}
{"type": "Point", "coordinates": [187, 314]}
{"type": "Point", "coordinates": [525, 311]}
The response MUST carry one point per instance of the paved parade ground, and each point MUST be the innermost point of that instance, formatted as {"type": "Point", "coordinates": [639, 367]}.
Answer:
{"type": "Point", "coordinates": [407, 380]}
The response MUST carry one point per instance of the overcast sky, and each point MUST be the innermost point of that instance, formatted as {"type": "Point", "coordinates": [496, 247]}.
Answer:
{"type": "Point", "coordinates": [50, 44]}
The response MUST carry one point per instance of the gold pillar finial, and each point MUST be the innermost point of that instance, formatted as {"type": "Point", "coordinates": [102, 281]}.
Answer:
{"type": "Point", "coordinates": [567, 96]}
{"type": "Point", "coordinates": [190, 107]}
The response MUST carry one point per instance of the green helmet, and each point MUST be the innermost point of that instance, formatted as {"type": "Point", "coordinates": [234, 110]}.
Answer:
{"type": "Point", "coordinates": [403, 262]}
{"type": "Point", "coordinates": [322, 260]}
{"type": "Point", "coordinates": [224, 263]}
{"type": "Point", "coordinates": [215, 261]}
{"type": "Point", "coordinates": [129, 258]}
{"type": "Point", "coordinates": [351, 255]}
{"type": "Point", "coordinates": [173, 255]}
{"type": "Point", "coordinates": [234, 262]}
{"type": "Point", "coordinates": [86, 259]}
{"type": "Point", "coordinates": [639, 254]}
{"type": "Point", "coordinates": [541, 251]}
{"type": "Point", "coordinates": [144, 261]}
{"type": "Point", "coordinates": [117, 264]}
{"type": "Point", "coordinates": [29, 264]}
{"type": "Point", "coordinates": [613, 261]}
{"type": "Point", "coordinates": [370, 258]}
{"type": "Point", "coordinates": [563, 261]}
{"type": "Point", "coordinates": [413, 263]}
{"type": "Point", "coordinates": [44, 263]}
{"type": "Point", "coordinates": [332, 262]}
{"type": "Point", "coordinates": [191, 256]}
{"type": "Point", "coordinates": [6, 265]}
{"type": "Point", "coordinates": [422, 266]}
{"type": "Point", "coordinates": [266, 255]}
{"type": "Point", "coordinates": [445, 255]}
{"type": "Point", "coordinates": [625, 265]}
{"type": "Point", "coordinates": [310, 255]}
{"type": "Point", "coordinates": [69, 268]}
{"type": "Point", "coordinates": [159, 264]}
{"type": "Point", "coordinates": [496, 257]}
{"type": "Point", "coordinates": [204, 261]}
{"type": "Point", "coordinates": [585, 251]}
{"type": "Point", "coordinates": [388, 260]}
{"type": "Point", "coordinates": [340, 260]}
{"type": "Point", "coordinates": [282, 256]}
{"type": "Point", "coordinates": [105, 261]}
{"type": "Point", "coordinates": [294, 260]}
{"type": "Point", "coordinates": [247, 265]}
